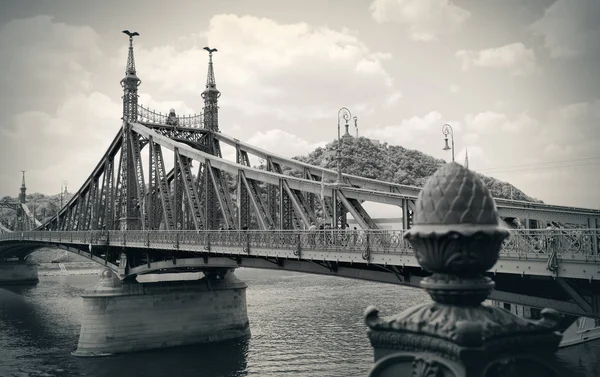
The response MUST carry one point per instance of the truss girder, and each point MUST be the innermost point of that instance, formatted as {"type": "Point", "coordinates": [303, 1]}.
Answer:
{"type": "Point", "coordinates": [243, 200]}
{"type": "Point", "coordinates": [163, 187]}
{"type": "Point", "coordinates": [262, 214]}
{"type": "Point", "coordinates": [358, 212]}
{"type": "Point", "coordinates": [536, 209]}
{"type": "Point", "coordinates": [222, 195]}
{"type": "Point", "coordinates": [270, 177]}
{"type": "Point", "coordinates": [296, 202]}
{"type": "Point", "coordinates": [190, 192]}
{"type": "Point", "coordinates": [139, 177]}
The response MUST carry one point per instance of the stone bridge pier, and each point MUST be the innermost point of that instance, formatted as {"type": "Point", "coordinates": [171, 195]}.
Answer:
{"type": "Point", "coordinates": [126, 316]}
{"type": "Point", "coordinates": [22, 271]}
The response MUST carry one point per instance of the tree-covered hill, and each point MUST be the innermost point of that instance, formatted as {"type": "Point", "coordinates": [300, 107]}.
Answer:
{"type": "Point", "coordinates": [44, 206]}
{"type": "Point", "coordinates": [396, 164]}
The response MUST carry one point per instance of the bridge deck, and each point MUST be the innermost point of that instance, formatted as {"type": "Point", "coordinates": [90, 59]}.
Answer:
{"type": "Point", "coordinates": [526, 252]}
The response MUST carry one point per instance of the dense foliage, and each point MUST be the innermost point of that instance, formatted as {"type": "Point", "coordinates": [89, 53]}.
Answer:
{"type": "Point", "coordinates": [367, 158]}
{"type": "Point", "coordinates": [44, 206]}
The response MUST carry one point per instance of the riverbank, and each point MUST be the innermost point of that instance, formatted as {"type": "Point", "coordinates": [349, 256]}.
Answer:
{"type": "Point", "coordinates": [68, 269]}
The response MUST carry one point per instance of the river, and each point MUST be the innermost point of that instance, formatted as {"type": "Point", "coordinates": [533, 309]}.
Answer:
{"type": "Point", "coordinates": [302, 325]}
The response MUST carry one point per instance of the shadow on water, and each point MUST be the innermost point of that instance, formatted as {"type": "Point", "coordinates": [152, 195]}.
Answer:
{"type": "Point", "coordinates": [222, 359]}
{"type": "Point", "coordinates": [226, 359]}
{"type": "Point", "coordinates": [21, 318]}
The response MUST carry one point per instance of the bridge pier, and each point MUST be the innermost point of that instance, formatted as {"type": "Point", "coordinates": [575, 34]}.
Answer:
{"type": "Point", "coordinates": [128, 316]}
{"type": "Point", "coordinates": [18, 272]}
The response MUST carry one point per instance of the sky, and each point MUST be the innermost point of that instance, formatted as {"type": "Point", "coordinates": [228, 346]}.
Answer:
{"type": "Point", "coordinates": [517, 81]}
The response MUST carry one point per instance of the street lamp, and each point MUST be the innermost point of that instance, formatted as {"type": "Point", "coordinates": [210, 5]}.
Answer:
{"type": "Point", "coordinates": [447, 129]}
{"type": "Point", "coordinates": [346, 115]}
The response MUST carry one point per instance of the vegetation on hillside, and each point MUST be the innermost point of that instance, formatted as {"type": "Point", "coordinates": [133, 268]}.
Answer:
{"type": "Point", "coordinates": [396, 164]}
{"type": "Point", "coordinates": [44, 207]}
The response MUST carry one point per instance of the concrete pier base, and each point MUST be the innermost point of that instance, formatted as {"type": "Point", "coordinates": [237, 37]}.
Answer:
{"type": "Point", "coordinates": [130, 316]}
{"type": "Point", "coordinates": [18, 272]}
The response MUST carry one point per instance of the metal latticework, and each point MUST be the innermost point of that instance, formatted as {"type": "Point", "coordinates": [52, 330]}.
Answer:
{"type": "Point", "coordinates": [243, 200]}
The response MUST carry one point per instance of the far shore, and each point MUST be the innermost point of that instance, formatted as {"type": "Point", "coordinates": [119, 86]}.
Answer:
{"type": "Point", "coordinates": [70, 268]}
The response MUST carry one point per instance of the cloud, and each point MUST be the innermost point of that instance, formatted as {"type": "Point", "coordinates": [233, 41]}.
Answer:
{"type": "Point", "coordinates": [50, 63]}
{"type": "Point", "coordinates": [393, 99]}
{"type": "Point", "coordinates": [64, 145]}
{"type": "Point", "coordinates": [283, 143]}
{"type": "Point", "coordinates": [570, 28]}
{"type": "Point", "coordinates": [454, 88]}
{"type": "Point", "coordinates": [289, 71]}
{"type": "Point", "coordinates": [574, 125]}
{"type": "Point", "coordinates": [426, 20]}
{"type": "Point", "coordinates": [489, 122]}
{"type": "Point", "coordinates": [164, 107]}
{"type": "Point", "coordinates": [514, 57]}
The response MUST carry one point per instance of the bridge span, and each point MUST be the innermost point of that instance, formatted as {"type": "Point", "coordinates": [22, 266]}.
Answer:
{"type": "Point", "coordinates": [137, 215]}
{"type": "Point", "coordinates": [561, 270]}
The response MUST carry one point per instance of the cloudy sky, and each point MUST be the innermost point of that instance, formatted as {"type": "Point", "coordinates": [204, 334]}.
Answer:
{"type": "Point", "coordinates": [518, 82]}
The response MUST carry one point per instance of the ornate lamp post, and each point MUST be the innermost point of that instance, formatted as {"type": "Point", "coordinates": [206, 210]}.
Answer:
{"type": "Point", "coordinates": [447, 129]}
{"type": "Point", "coordinates": [346, 115]}
{"type": "Point", "coordinates": [456, 237]}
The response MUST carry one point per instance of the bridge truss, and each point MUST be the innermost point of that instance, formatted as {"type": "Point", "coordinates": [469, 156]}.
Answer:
{"type": "Point", "coordinates": [165, 174]}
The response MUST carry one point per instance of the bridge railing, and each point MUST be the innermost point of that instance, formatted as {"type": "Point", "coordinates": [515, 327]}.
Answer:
{"type": "Point", "coordinates": [565, 243]}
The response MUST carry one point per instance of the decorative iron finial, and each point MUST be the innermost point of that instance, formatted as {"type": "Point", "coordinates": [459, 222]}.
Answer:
{"type": "Point", "coordinates": [211, 95]}
{"type": "Point", "coordinates": [210, 78]}
{"type": "Point", "coordinates": [457, 237]}
{"type": "Point", "coordinates": [130, 61]}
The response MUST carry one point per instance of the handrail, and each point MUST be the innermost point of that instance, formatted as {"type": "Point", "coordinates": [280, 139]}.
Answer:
{"type": "Point", "coordinates": [151, 116]}
{"type": "Point", "coordinates": [522, 241]}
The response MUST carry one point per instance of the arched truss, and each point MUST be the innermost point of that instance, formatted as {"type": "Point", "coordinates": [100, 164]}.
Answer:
{"type": "Point", "coordinates": [233, 195]}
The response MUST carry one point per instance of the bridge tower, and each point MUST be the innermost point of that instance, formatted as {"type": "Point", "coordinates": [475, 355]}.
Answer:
{"type": "Point", "coordinates": [211, 122]}
{"type": "Point", "coordinates": [22, 221]}
{"type": "Point", "coordinates": [23, 191]}
{"type": "Point", "coordinates": [129, 206]}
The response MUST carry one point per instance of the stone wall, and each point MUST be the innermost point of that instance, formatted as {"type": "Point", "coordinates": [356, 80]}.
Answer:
{"type": "Point", "coordinates": [124, 317]}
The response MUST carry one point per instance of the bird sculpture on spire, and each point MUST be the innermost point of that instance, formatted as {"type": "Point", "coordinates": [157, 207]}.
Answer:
{"type": "Point", "coordinates": [131, 35]}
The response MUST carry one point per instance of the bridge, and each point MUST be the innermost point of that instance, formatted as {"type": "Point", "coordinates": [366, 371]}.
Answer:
{"type": "Point", "coordinates": [137, 215]}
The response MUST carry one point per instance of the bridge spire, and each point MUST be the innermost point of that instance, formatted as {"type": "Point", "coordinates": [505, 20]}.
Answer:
{"type": "Point", "coordinates": [211, 95]}
{"type": "Point", "coordinates": [130, 83]}
{"type": "Point", "coordinates": [129, 206]}
{"type": "Point", "coordinates": [23, 193]}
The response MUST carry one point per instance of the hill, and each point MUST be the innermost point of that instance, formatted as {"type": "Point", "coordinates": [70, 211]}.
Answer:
{"type": "Point", "coordinates": [44, 206]}
{"type": "Point", "coordinates": [396, 164]}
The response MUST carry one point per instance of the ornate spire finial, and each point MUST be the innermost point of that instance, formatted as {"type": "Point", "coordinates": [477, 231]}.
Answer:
{"type": "Point", "coordinates": [457, 237]}
{"type": "Point", "coordinates": [466, 158]}
{"type": "Point", "coordinates": [130, 61]}
{"type": "Point", "coordinates": [210, 78]}
{"type": "Point", "coordinates": [211, 95]}
{"type": "Point", "coordinates": [23, 180]}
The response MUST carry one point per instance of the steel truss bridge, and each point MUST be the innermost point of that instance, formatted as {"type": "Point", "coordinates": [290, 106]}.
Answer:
{"type": "Point", "coordinates": [137, 214]}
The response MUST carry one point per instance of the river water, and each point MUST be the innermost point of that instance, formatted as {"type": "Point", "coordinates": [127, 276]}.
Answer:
{"type": "Point", "coordinates": [302, 325]}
